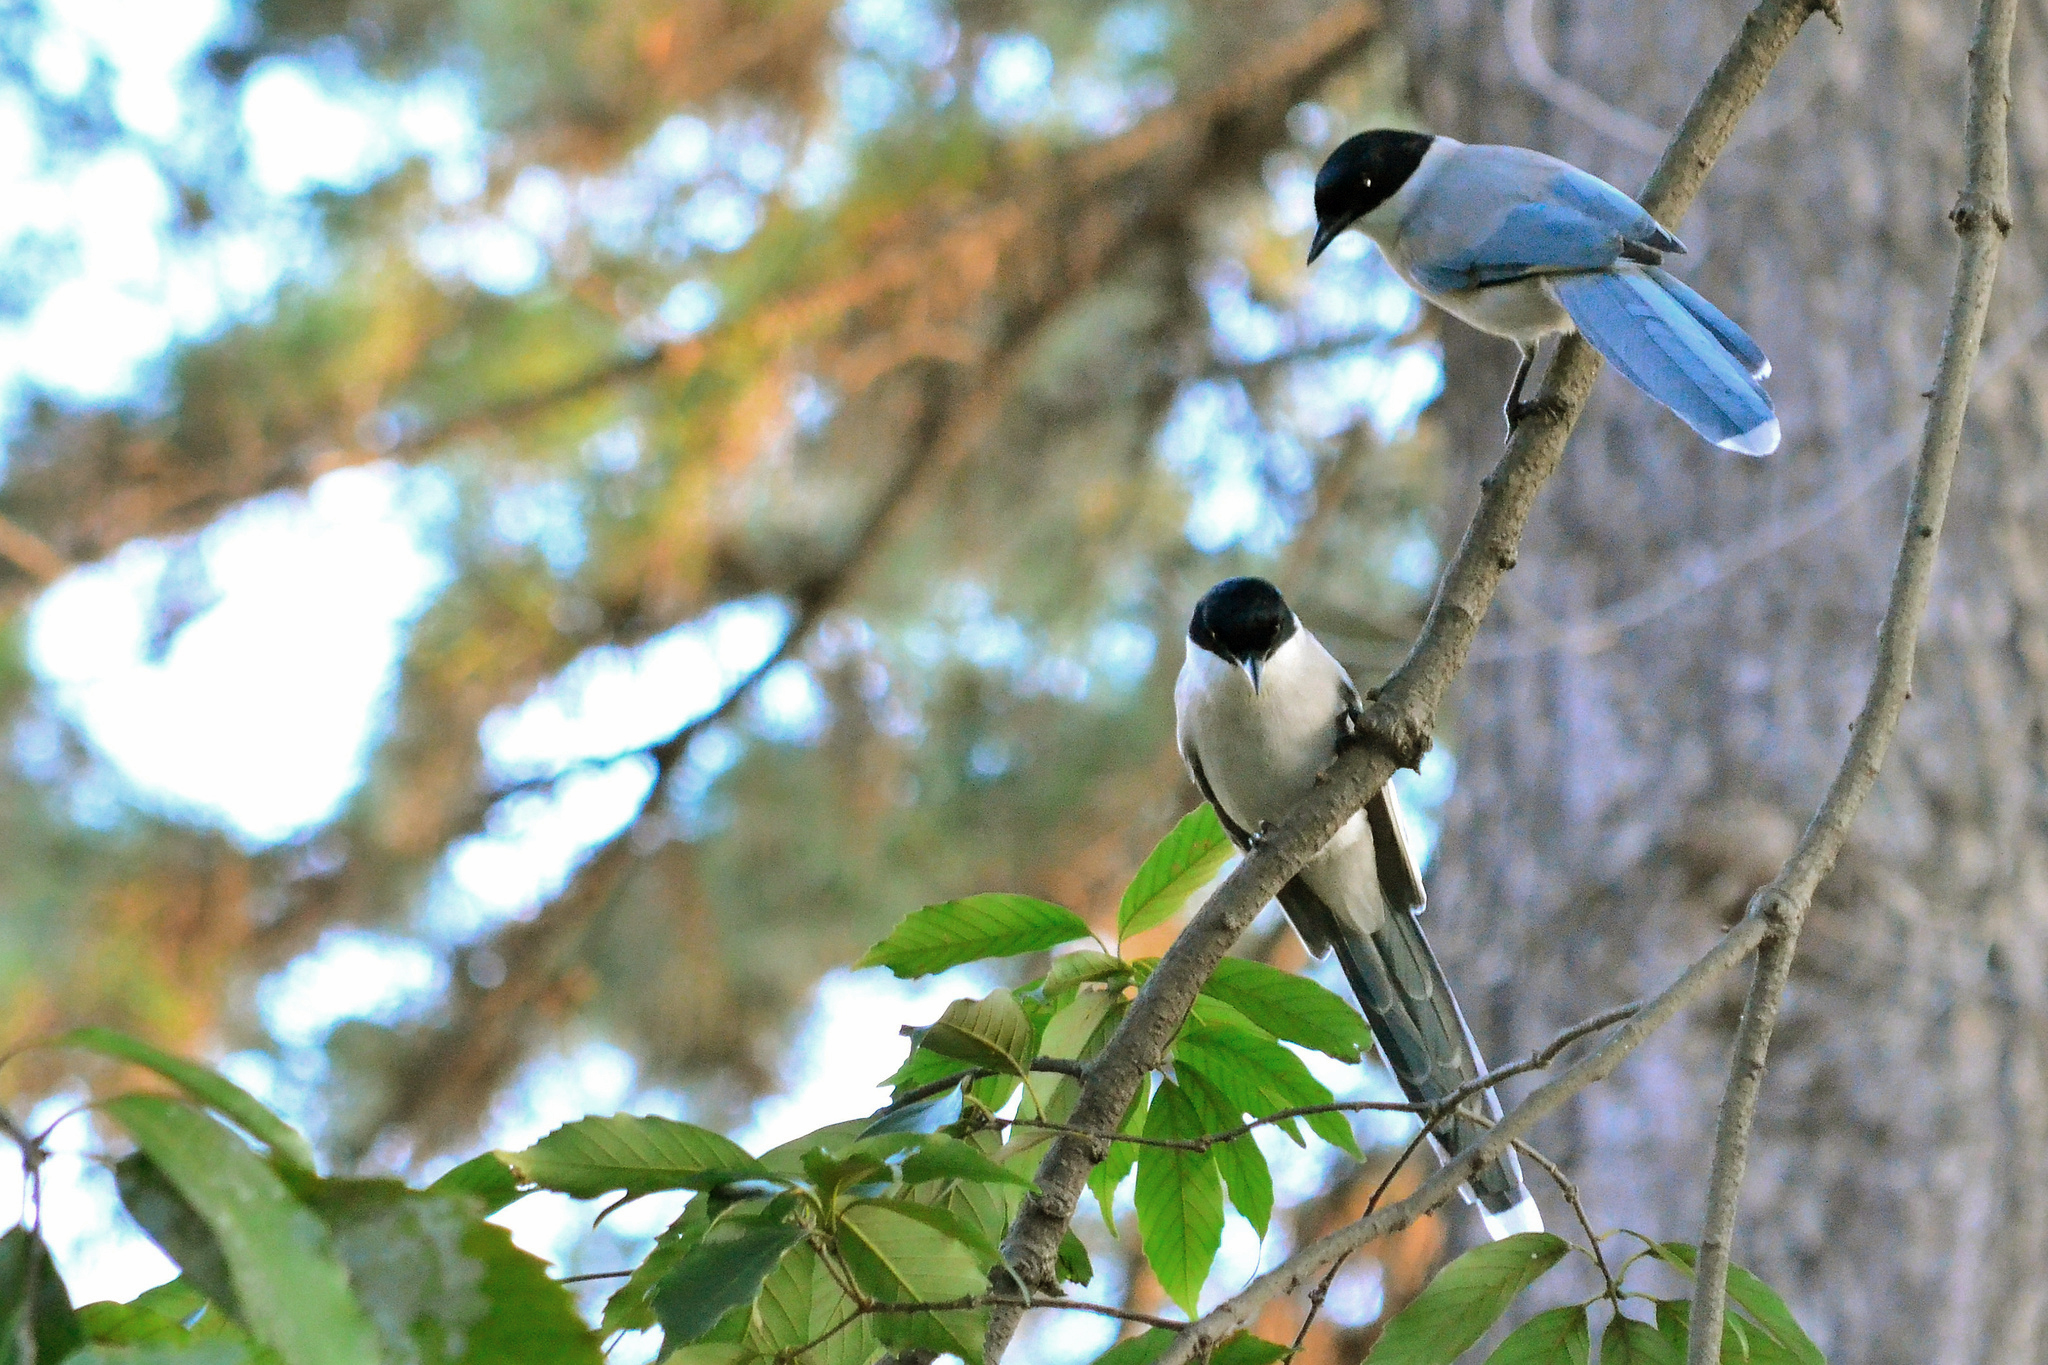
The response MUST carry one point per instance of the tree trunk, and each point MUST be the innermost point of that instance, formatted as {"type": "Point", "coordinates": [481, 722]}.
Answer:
{"type": "Point", "coordinates": [1624, 785]}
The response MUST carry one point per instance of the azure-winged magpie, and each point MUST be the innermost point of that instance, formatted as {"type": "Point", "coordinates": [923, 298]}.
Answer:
{"type": "Point", "coordinates": [1261, 708]}
{"type": "Point", "coordinates": [1522, 245]}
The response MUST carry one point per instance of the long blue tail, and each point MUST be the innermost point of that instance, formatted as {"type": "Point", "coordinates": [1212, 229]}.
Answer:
{"type": "Point", "coordinates": [1677, 348]}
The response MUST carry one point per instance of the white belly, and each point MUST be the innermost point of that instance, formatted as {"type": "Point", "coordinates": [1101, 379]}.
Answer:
{"type": "Point", "coordinates": [1524, 311]}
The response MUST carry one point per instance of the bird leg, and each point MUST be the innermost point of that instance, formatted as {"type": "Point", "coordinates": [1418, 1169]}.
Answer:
{"type": "Point", "coordinates": [1515, 409]}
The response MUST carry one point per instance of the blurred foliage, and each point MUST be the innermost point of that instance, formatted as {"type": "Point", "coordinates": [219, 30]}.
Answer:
{"type": "Point", "coordinates": [973, 392]}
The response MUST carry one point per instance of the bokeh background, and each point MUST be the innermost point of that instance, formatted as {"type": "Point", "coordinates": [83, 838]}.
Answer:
{"type": "Point", "coordinates": [531, 532]}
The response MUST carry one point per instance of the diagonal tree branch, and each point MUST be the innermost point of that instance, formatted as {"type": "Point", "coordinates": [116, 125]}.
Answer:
{"type": "Point", "coordinates": [1398, 721]}
{"type": "Point", "coordinates": [1982, 217]}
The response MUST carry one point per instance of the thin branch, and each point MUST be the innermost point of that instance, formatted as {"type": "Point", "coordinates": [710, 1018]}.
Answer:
{"type": "Point", "coordinates": [1570, 1192]}
{"type": "Point", "coordinates": [1982, 218]}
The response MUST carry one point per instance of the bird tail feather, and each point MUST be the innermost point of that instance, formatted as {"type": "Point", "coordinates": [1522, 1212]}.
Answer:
{"type": "Point", "coordinates": [1677, 348]}
{"type": "Point", "coordinates": [1425, 1042]}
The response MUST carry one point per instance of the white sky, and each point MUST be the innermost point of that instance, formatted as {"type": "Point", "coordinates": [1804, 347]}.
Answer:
{"type": "Point", "coordinates": [260, 716]}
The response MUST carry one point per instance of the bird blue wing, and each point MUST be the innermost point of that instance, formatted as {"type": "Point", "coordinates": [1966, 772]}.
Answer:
{"type": "Point", "coordinates": [1496, 214]}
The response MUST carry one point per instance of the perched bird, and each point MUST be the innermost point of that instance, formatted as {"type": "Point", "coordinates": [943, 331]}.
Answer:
{"type": "Point", "coordinates": [1522, 245]}
{"type": "Point", "coordinates": [1260, 709]}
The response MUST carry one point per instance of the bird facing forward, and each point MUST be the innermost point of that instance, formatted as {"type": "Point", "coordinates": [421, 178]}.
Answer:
{"type": "Point", "coordinates": [1260, 709]}
{"type": "Point", "coordinates": [1524, 246]}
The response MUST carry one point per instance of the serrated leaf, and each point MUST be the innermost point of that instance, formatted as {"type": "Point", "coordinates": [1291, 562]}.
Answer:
{"type": "Point", "coordinates": [899, 1258]}
{"type": "Point", "coordinates": [293, 1292]}
{"type": "Point", "coordinates": [945, 1158]}
{"type": "Point", "coordinates": [33, 1303]}
{"type": "Point", "coordinates": [628, 1308]}
{"type": "Point", "coordinates": [1111, 1170]}
{"type": "Point", "coordinates": [993, 925]}
{"type": "Point", "coordinates": [992, 1031]}
{"type": "Point", "coordinates": [484, 1178]}
{"type": "Point", "coordinates": [207, 1086]}
{"type": "Point", "coordinates": [1180, 1200]}
{"type": "Point", "coordinates": [1069, 970]}
{"type": "Point", "coordinates": [1187, 859]}
{"type": "Point", "coordinates": [724, 1270]}
{"type": "Point", "coordinates": [633, 1154]}
{"type": "Point", "coordinates": [1261, 1078]}
{"type": "Point", "coordinates": [1739, 1345]}
{"type": "Point", "coordinates": [1758, 1300]}
{"type": "Point", "coordinates": [1629, 1342]}
{"type": "Point", "coordinates": [443, 1285]}
{"type": "Point", "coordinates": [1291, 1007]}
{"type": "Point", "coordinates": [800, 1302]}
{"type": "Point", "coordinates": [1556, 1336]}
{"type": "Point", "coordinates": [1239, 1161]}
{"type": "Point", "coordinates": [1466, 1297]}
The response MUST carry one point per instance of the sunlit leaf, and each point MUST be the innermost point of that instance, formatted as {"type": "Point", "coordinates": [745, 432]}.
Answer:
{"type": "Point", "coordinates": [1556, 1336]}
{"type": "Point", "coordinates": [207, 1086]}
{"type": "Point", "coordinates": [485, 1178]}
{"type": "Point", "coordinates": [1466, 1297]}
{"type": "Point", "coordinates": [1739, 1345]}
{"type": "Point", "coordinates": [292, 1290]}
{"type": "Point", "coordinates": [896, 1257]}
{"type": "Point", "coordinates": [1184, 861]}
{"type": "Point", "coordinates": [1262, 1078]}
{"type": "Point", "coordinates": [801, 1302]}
{"type": "Point", "coordinates": [993, 925]}
{"type": "Point", "coordinates": [1291, 1007]}
{"type": "Point", "coordinates": [1111, 1170]}
{"type": "Point", "coordinates": [1239, 1161]}
{"type": "Point", "coordinates": [634, 1154]}
{"type": "Point", "coordinates": [1072, 969]}
{"type": "Point", "coordinates": [991, 1032]}
{"type": "Point", "coordinates": [1240, 1348]}
{"type": "Point", "coordinates": [1180, 1199]}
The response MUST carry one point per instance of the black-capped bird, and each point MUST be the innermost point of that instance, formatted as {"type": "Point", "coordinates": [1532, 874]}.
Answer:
{"type": "Point", "coordinates": [1524, 246]}
{"type": "Point", "coordinates": [1261, 708]}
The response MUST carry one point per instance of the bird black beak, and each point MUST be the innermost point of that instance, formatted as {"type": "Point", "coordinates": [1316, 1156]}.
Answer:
{"type": "Point", "coordinates": [1251, 670]}
{"type": "Point", "coordinates": [1326, 233]}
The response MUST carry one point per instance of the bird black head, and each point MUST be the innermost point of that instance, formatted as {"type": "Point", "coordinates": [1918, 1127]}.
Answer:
{"type": "Point", "coordinates": [1359, 176]}
{"type": "Point", "coordinates": [1242, 621]}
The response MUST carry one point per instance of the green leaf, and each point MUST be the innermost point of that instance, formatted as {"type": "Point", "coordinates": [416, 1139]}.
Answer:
{"type": "Point", "coordinates": [991, 1032]}
{"type": "Point", "coordinates": [33, 1303]}
{"type": "Point", "coordinates": [1739, 1346]}
{"type": "Point", "coordinates": [1556, 1336]}
{"type": "Point", "coordinates": [1180, 1200]}
{"type": "Point", "coordinates": [293, 1292]}
{"type": "Point", "coordinates": [202, 1084]}
{"type": "Point", "coordinates": [173, 1313]}
{"type": "Point", "coordinates": [1239, 1161]}
{"type": "Point", "coordinates": [800, 1302]}
{"type": "Point", "coordinates": [1757, 1299]}
{"type": "Point", "coordinates": [1260, 1077]}
{"type": "Point", "coordinates": [484, 1178]}
{"type": "Point", "coordinates": [1072, 969]}
{"type": "Point", "coordinates": [1240, 1348]}
{"type": "Point", "coordinates": [180, 1229]}
{"type": "Point", "coordinates": [1292, 1007]}
{"type": "Point", "coordinates": [1111, 1170]}
{"type": "Point", "coordinates": [1074, 1264]}
{"type": "Point", "coordinates": [724, 1270]}
{"type": "Point", "coordinates": [1466, 1297]}
{"type": "Point", "coordinates": [713, 1353]}
{"type": "Point", "coordinates": [1184, 861]}
{"type": "Point", "coordinates": [632, 1153]}
{"type": "Point", "coordinates": [628, 1309]}
{"type": "Point", "coordinates": [993, 925]}
{"type": "Point", "coordinates": [945, 1158]}
{"type": "Point", "coordinates": [217, 1351]}
{"type": "Point", "coordinates": [1070, 1031]}
{"type": "Point", "coordinates": [443, 1285]}
{"type": "Point", "coordinates": [1628, 1342]}
{"type": "Point", "coordinates": [898, 1258]}
{"type": "Point", "coordinates": [968, 1232]}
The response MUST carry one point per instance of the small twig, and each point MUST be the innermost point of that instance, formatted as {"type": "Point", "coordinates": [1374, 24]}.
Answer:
{"type": "Point", "coordinates": [1570, 1192]}
{"type": "Point", "coordinates": [1316, 1298]}
{"type": "Point", "coordinates": [596, 1275]}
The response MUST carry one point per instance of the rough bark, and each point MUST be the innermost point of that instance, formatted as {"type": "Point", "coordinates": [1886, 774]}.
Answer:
{"type": "Point", "coordinates": [1620, 795]}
